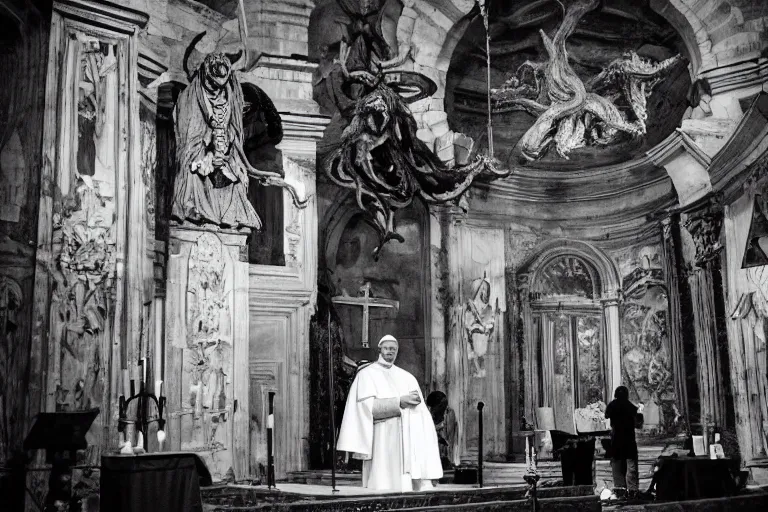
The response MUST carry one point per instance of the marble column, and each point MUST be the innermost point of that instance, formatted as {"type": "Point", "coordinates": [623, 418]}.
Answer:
{"type": "Point", "coordinates": [612, 344]}
{"type": "Point", "coordinates": [439, 317]}
{"type": "Point", "coordinates": [670, 227]}
{"type": "Point", "coordinates": [704, 228]}
{"type": "Point", "coordinates": [528, 345]}
{"type": "Point", "coordinates": [454, 228]}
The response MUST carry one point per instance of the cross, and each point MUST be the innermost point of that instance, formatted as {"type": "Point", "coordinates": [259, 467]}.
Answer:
{"type": "Point", "coordinates": [366, 301]}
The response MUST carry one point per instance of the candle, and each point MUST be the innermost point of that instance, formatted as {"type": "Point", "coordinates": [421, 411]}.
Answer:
{"type": "Point", "coordinates": [144, 370]}
{"type": "Point", "coordinates": [158, 388]}
{"type": "Point", "coordinates": [126, 388]}
{"type": "Point", "coordinates": [527, 453]}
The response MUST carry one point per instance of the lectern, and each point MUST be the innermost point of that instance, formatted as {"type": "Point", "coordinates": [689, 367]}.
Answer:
{"type": "Point", "coordinates": [60, 434]}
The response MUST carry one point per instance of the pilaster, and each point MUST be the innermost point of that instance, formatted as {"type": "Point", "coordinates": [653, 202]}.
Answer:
{"type": "Point", "coordinates": [705, 281]}
{"type": "Point", "coordinates": [281, 299]}
{"type": "Point", "coordinates": [206, 312]}
{"type": "Point", "coordinates": [89, 286]}
{"type": "Point", "coordinates": [613, 342]}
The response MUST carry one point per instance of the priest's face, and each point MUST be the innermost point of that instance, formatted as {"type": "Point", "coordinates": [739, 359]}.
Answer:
{"type": "Point", "coordinates": [388, 351]}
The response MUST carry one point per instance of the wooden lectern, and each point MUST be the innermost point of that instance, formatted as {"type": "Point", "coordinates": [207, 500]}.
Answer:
{"type": "Point", "coordinates": [60, 434]}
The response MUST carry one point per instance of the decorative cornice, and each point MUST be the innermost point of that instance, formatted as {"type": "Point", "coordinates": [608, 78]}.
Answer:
{"type": "Point", "coordinates": [678, 140]}
{"type": "Point", "coordinates": [293, 63]}
{"type": "Point", "coordinates": [748, 142]}
{"type": "Point", "coordinates": [740, 75]}
{"type": "Point", "coordinates": [151, 65]}
{"type": "Point", "coordinates": [114, 16]}
{"type": "Point", "coordinates": [304, 126]}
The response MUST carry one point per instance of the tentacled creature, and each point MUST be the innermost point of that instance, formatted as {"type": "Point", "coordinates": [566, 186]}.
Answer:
{"type": "Point", "coordinates": [379, 156]}
{"type": "Point", "coordinates": [212, 178]}
{"type": "Point", "coordinates": [571, 114]}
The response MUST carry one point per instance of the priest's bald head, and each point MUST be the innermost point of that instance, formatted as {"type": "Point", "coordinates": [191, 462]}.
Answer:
{"type": "Point", "coordinates": [388, 347]}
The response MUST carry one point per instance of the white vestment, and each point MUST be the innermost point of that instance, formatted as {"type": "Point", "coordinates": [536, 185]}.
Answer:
{"type": "Point", "coordinates": [395, 451]}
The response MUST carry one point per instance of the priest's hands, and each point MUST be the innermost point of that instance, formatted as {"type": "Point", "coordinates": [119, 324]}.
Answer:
{"type": "Point", "coordinates": [412, 399]}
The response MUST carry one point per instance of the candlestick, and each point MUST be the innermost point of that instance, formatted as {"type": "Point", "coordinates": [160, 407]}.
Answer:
{"type": "Point", "coordinates": [133, 387]}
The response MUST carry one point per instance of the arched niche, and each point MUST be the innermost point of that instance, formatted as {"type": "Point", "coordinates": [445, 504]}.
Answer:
{"type": "Point", "coordinates": [572, 351]}
{"type": "Point", "coordinates": [400, 273]}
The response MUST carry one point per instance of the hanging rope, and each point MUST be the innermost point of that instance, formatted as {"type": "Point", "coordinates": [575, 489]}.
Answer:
{"type": "Point", "coordinates": [483, 4]}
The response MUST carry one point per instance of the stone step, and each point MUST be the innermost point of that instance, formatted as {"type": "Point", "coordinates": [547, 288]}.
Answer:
{"type": "Point", "coordinates": [571, 504]}
{"type": "Point", "coordinates": [258, 499]}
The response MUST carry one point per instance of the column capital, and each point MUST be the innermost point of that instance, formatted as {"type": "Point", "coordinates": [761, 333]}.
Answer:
{"type": "Point", "coordinates": [704, 225]}
{"type": "Point", "coordinates": [666, 227]}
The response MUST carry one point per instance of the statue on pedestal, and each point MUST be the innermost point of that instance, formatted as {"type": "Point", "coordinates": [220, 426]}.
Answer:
{"type": "Point", "coordinates": [211, 185]}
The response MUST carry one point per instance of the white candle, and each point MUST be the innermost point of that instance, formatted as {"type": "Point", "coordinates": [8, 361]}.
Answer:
{"type": "Point", "coordinates": [144, 371]}
{"type": "Point", "coordinates": [527, 453]}
{"type": "Point", "coordinates": [158, 388]}
{"type": "Point", "coordinates": [126, 384]}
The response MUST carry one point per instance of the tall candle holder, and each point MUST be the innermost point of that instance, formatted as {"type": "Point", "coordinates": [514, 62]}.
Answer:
{"type": "Point", "coordinates": [531, 476]}
{"type": "Point", "coordinates": [142, 421]}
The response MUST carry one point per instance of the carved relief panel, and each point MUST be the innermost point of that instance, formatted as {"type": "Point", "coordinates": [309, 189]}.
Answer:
{"type": "Point", "coordinates": [89, 246]}
{"type": "Point", "coordinates": [206, 330]}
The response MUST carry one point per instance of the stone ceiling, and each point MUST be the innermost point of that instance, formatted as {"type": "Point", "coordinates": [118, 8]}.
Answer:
{"type": "Point", "coordinates": [600, 37]}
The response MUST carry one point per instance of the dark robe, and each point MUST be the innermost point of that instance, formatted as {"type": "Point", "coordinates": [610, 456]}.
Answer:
{"type": "Point", "coordinates": [622, 414]}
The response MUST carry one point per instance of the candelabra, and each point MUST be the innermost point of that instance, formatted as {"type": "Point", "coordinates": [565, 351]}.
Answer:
{"type": "Point", "coordinates": [143, 399]}
{"type": "Point", "coordinates": [531, 476]}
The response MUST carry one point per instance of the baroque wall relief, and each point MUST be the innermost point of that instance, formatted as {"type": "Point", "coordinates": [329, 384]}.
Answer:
{"type": "Point", "coordinates": [645, 350]}
{"type": "Point", "coordinates": [84, 239]}
{"type": "Point", "coordinates": [475, 352]}
{"type": "Point", "coordinates": [208, 352]}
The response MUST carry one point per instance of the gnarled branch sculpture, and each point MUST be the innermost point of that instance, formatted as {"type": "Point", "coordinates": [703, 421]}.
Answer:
{"type": "Point", "coordinates": [571, 114]}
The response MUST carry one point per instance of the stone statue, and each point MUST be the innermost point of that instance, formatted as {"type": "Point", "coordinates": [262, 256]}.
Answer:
{"type": "Point", "coordinates": [211, 185]}
{"type": "Point", "coordinates": [479, 322]}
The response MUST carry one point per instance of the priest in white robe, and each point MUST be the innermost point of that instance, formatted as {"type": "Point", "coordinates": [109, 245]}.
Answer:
{"type": "Point", "coordinates": [388, 426]}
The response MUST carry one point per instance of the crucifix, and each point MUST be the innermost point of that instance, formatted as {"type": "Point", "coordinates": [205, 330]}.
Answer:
{"type": "Point", "coordinates": [366, 301]}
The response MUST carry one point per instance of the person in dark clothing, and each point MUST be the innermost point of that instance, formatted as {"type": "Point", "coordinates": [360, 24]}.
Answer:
{"type": "Point", "coordinates": [623, 414]}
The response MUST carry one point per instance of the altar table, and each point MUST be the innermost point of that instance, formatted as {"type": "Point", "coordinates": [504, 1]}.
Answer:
{"type": "Point", "coordinates": [693, 478]}
{"type": "Point", "coordinates": [162, 482]}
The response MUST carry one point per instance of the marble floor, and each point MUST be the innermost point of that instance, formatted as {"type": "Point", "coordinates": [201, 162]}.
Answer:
{"type": "Point", "coordinates": [356, 490]}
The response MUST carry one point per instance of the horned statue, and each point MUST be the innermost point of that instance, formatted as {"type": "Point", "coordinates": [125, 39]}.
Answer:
{"type": "Point", "coordinates": [211, 185]}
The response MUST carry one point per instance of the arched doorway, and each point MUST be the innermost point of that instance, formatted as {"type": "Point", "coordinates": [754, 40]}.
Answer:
{"type": "Point", "coordinates": [572, 344]}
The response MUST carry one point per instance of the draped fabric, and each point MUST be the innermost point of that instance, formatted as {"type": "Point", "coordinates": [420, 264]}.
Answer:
{"type": "Point", "coordinates": [394, 450]}
{"type": "Point", "coordinates": [204, 192]}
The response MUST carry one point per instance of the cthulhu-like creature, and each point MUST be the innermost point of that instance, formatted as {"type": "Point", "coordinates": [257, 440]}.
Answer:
{"type": "Point", "coordinates": [381, 158]}
{"type": "Point", "coordinates": [211, 185]}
